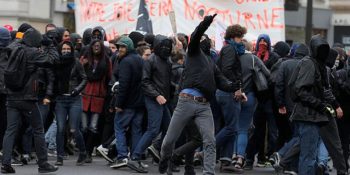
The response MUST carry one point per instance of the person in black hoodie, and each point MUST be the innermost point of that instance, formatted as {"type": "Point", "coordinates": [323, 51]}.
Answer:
{"type": "Point", "coordinates": [156, 82]}
{"type": "Point", "coordinates": [196, 89]}
{"type": "Point", "coordinates": [70, 80]}
{"type": "Point", "coordinates": [5, 39]}
{"type": "Point", "coordinates": [312, 108]}
{"type": "Point", "coordinates": [24, 101]}
{"type": "Point", "coordinates": [129, 100]}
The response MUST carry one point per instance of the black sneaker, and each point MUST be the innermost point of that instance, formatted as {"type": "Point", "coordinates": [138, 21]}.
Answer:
{"type": "Point", "coordinates": [25, 159]}
{"type": "Point", "coordinates": [163, 166]}
{"type": "Point", "coordinates": [88, 159]}
{"type": "Point", "coordinates": [137, 166]}
{"type": "Point", "coordinates": [7, 169]}
{"type": "Point", "coordinates": [248, 165]}
{"type": "Point", "coordinates": [81, 159]}
{"type": "Point", "coordinates": [47, 168]}
{"type": "Point", "coordinates": [154, 153]}
{"type": "Point", "coordinates": [275, 159]}
{"type": "Point", "coordinates": [320, 169]}
{"type": "Point", "coordinates": [59, 162]}
{"type": "Point", "coordinates": [120, 163]}
{"type": "Point", "coordinates": [16, 162]}
{"type": "Point", "coordinates": [189, 170]}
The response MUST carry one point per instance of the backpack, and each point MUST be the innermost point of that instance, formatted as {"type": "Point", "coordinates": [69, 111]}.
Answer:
{"type": "Point", "coordinates": [16, 76]}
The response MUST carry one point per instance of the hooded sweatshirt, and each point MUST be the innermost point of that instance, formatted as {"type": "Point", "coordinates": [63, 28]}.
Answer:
{"type": "Point", "coordinates": [5, 37]}
{"type": "Point", "coordinates": [310, 83]}
{"type": "Point", "coordinates": [130, 76]}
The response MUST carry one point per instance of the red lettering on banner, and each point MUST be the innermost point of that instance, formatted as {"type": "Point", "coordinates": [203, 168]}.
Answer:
{"type": "Point", "coordinates": [159, 7]}
{"type": "Point", "coordinates": [274, 17]}
{"type": "Point", "coordinates": [95, 11]}
{"type": "Point", "coordinates": [250, 1]}
{"type": "Point", "coordinates": [248, 18]}
{"type": "Point", "coordinates": [264, 21]}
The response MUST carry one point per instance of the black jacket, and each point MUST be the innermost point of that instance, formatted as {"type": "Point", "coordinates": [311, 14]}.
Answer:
{"type": "Point", "coordinates": [156, 77]}
{"type": "Point", "coordinates": [35, 59]}
{"type": "Point", "coordinates": [229, 64]}
{"type": "Point", "coordinates": [46, 82]}
{"type": "Point", "coordinates": [130, 74]}
{"type": "Point", "coordinates": [4, 54]}
{"type": "Point", "coordinates": [200, 70]}
{"type": "Point", "coordinates": [284, 74]}
{"type": "Point", "coordinates": [75, 79]}
{"type": "Point", "coordinates": [310, 84]}
{"type": "Point", "coordinates": [343, 90]}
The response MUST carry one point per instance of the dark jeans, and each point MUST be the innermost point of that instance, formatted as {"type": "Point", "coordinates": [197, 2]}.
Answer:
{"type": "Point", "coordinates": [122, 121]}
{"type": "Point", "coordinates": [69, 108]}
{"type": "Point", "coordinates": [309, 141]}
{"type": "Point", "coordinates": [344, 134]}
{"type": "Point", "coordinates": [187, 110]}
{"type": "Point", "coordinates": [330, 136]}
{"type": "Point", "coordinates": [231, 109]}
{"type": "Point", "coordinates": [193, 141]}
{"type": "Point", "coordinates": [108, 130]}
{"type": "Point", "coordinates": [263, 115]}
{"type": "Point", "coordinates": [28, 109]}
{"type": "Point", "coordinates": [284, 130]}
{"type": "Point", "coordinates": [2, 117]}
{"type": "Point", "coordinates": [158, 120]}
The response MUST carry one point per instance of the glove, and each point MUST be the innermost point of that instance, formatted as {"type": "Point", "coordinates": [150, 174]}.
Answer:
{"type": "Point", "coordinates": [74, 93]}
{"type": "Point", "coordinates": [46, 41]}
{"type": "Point", "coordinates": [209, 19]}
{"type": "Point", "coordinates": [328, 109]}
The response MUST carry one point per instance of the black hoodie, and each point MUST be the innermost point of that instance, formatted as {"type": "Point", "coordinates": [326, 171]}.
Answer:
{"type": "Point", "coordinates": [310, 84]}
{"type": "Point", "coordinates": [35, 58]}
{"type": "Point", "coordinates": [283, 76]}
{"type": "Point", "coordinates": [156, 78]}
{"type": "Point", "coordinates": [200, 71]}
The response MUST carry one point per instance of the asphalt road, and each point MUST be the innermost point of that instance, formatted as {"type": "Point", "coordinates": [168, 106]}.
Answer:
{"type": "Point", "coordinates": [100, 167]}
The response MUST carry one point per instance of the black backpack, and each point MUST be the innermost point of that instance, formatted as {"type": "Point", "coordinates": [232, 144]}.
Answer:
{"type": "Point", "coordinates": [16, 75]}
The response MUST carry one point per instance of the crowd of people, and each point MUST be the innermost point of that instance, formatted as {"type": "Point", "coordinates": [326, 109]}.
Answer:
{"type": "Point", "coordinates": [174, 98]}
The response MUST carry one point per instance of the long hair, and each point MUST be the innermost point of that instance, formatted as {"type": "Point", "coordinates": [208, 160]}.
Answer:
{"type": "Point", "coordinates": [90, 54]}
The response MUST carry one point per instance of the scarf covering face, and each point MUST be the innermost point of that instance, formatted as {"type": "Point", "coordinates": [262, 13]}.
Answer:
{"type": "Point", "coordinates": [263, 52]}
{"type": "Point", "coordinates": [239, 47]}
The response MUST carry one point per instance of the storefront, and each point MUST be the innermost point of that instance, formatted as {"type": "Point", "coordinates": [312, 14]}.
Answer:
{"type": "Point", "coordinates": [341, 23]}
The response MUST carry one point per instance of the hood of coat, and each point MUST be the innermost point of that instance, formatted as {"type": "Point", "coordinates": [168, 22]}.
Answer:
{"type": "Point", "coordinates": [281, 48]}
{"type": "Point", "coordinates": [32, 38]}
{"type": "Point", "coordinates": [319, 48]}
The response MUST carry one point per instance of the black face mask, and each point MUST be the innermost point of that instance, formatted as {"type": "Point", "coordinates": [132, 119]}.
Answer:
{"type": "Point", "coordinates": [205, 46]}
{"type": "Point", "coordinates": [164, 52]}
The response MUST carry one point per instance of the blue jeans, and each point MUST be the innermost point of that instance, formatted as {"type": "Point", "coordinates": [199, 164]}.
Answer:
{"type": "Point", "coordinates": [69, 108]}
{"type": "Point", "coordinates": [230, 108]}
{"type": "Point", "coordinates": [244, 123]}
{"type": "Point", "coordinates": [158, 118]}
{"type": "Point", "coordinates": [309, 141]}
{"type": "Point", "coordinates": [50, 135]}
{"type": "Point", "coordinates": [322, 157]}
{"type": "Point", "coordinates": [122, 120]}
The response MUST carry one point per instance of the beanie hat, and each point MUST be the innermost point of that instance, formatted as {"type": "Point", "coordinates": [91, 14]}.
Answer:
{"type": "Point", "coordinates": [136, 37]}
{"type": "Point", "coordinates": [24, 27]}
{"type": "Point", "coordinates": [5, 37]}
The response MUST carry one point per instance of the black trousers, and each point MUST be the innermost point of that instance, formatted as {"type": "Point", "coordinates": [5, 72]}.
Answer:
{"type": "Point", "coordinates": [2, 117]}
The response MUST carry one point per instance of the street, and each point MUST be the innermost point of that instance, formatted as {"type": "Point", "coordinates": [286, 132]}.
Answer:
{"type": "Point", "coordinates": [100, 167]}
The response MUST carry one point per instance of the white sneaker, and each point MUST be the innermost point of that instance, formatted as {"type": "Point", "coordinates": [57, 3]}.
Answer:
{"type": "Point", "coordinates": [120, 163]}
{"type": "Point", "coordinates": [104, 152]}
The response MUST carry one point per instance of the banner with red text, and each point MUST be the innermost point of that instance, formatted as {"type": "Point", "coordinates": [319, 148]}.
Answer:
{"type": "Point", "coordinates": [123, 16]}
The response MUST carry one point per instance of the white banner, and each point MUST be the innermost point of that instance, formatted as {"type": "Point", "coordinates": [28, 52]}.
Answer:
{"type": "Point", "coordinates": [123, 16]}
